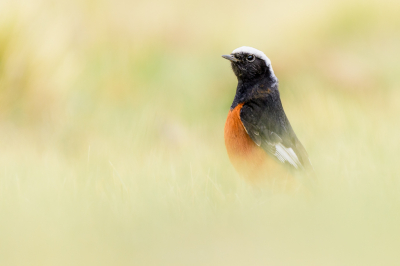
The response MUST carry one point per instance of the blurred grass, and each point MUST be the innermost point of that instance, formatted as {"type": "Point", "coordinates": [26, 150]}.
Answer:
{"type": "Point", "coordinates": [111, 121]}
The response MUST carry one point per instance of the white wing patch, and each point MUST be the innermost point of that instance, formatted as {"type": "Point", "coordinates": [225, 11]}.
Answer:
{"type": "Point", "coordinates": [287, 155]}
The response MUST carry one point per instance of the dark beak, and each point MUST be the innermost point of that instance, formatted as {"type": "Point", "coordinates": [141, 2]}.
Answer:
{"type": "Point", "coordinates": [230, 58]}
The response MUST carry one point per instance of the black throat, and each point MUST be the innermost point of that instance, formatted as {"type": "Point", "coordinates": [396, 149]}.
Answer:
{"type": "Point", "coordinates": [254, 88]}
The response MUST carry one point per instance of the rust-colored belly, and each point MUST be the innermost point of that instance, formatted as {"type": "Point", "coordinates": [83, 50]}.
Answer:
{"type": "Point", "coordinates": [249, 160]}
{"type": "Point", "coordinates": [243, 153]}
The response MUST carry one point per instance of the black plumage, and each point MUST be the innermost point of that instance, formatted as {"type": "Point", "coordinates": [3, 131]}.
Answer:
{"type": "Point", "coordinates": [262, 113]}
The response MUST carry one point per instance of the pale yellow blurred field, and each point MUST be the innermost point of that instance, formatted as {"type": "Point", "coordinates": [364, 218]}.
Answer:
{"type": "Point", "coordinates": [111, 133]}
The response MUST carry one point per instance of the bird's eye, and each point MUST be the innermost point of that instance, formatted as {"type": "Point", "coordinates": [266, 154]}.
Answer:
{"type": "Point", "coordinates": [250, 58]}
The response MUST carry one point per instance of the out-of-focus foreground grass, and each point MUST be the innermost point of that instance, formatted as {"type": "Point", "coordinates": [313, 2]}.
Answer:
{"type": "Point", "coordinates": [111, 133]}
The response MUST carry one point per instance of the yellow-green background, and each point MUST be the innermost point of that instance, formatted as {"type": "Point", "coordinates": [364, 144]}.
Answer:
{"type": "Point", "coordinates": [111, 133]}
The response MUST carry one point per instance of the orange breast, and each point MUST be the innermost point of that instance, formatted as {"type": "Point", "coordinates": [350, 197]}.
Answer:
{"type": "Point", "coordinates": [249, 160]}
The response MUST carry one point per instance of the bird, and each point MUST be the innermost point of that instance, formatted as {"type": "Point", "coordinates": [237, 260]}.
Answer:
{"type": "Point", "coordinates": [260, 142]}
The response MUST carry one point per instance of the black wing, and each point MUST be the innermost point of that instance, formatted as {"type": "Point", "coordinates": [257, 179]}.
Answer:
{"type": "Point", "coordinates": [266, 123]}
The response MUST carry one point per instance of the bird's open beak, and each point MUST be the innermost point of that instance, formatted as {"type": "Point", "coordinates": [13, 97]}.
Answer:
{"type": "Point", "coordinates": [230, 58]}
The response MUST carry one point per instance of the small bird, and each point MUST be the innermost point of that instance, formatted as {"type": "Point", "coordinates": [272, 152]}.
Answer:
{"type": "Point", "coordinates": [259, 139]}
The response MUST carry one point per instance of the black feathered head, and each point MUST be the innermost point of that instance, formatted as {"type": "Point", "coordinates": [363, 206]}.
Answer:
{"type": "Point", "coordinates": [249, 63]}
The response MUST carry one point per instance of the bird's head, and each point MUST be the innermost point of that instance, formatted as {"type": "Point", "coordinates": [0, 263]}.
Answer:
{"type": "Point", "coordinates": [249, 63]}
